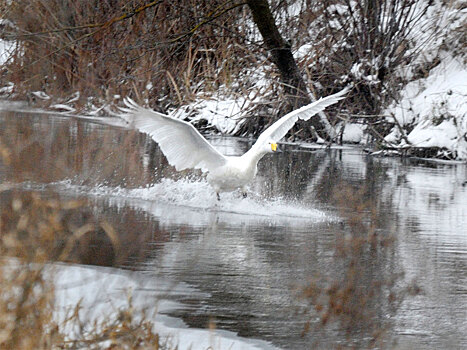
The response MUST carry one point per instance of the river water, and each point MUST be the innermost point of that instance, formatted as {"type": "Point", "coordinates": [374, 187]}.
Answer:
{"type": "Point", "coordinates": [331, 249]}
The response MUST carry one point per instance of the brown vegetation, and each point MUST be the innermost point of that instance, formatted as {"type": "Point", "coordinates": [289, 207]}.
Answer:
{"type": "Point", "coordinates": [39, 228]}
{"type": "Point", "coordinates": [160, 53]}
{"type": "Point", "coordinates": [350, 296]}
{"type": "Point", "coordinates": [34, 232]}
{"type": "Point", "coordinates": [168, 53]}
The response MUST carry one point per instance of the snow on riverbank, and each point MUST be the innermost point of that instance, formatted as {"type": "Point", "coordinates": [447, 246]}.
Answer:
{"type": "Point", "coordinates": [430, 114]}
{"type": "Point", "coordinates": [436, 108]}
{"type": "Point", "coordinates": [432, 110]}
{"type": "Point", "coordinates": [102, 292]}
{"type": "Point", "coordinates": [226, 116]}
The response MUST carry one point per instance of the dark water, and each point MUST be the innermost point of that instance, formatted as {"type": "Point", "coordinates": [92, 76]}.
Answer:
{"type": "Point", "coordinates": [332, 248]}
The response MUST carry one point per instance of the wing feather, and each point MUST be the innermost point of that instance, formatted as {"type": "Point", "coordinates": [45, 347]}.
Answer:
{"type": "Point", "coordinates": [183, 146]}
{"type": "Point", "coordinates": [280, 128]}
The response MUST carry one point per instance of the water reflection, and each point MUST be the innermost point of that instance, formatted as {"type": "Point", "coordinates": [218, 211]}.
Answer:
{"type": "Point", "coordinates": [331, 249]}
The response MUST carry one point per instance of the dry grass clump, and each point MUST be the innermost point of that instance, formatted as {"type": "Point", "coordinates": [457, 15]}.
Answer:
{"type": "Point", "coordinates": [40, 228]}
{"type": "Point", "coordinates": [160, 51]}
{"type": "Point", "coordinates": [35, 231]}
{"type": "Point", "coordinates": [25, 307]}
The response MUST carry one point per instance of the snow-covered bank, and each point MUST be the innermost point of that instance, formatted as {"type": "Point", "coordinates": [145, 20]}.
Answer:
{"type": "Point", "coordinates": [87, 298]}
{"type": "Point", "coordinates": [225, 116]}
{"type": "Point", "coordinates": [427, 114]}
{"type": "Point", "coordinates": [435, 108]}
{"type": "Point", "coordinates": [103, 291]}
{"type": "Point", "coordinates": [430, 117]}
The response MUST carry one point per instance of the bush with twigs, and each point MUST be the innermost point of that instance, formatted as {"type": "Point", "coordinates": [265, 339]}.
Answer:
{"type": "Point", "coordinates": [161, 51]}
{"type": "Point", "coordinates": [170, 54]}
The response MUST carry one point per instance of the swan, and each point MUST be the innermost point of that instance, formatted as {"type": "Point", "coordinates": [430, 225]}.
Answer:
{"type": "Point", "coordinates": [185, 148]}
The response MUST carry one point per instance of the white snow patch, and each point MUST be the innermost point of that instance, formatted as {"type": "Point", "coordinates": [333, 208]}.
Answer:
{"type": "Point", "coordinates": [41, 94]}
{"type": "Point", "coordinates": [353, 133]}
{"type": "Point", "coordinates": [339, 9]}
{"type": "Point", "coordinates": [102, 292]}
{"type": "Point", "coordinates": [303, 51]}
{"type": "Point", "coordinates": [63, 108]}
{"type": "Point", "coordinates": [7, 89]}
{"type": "Point", "coordinates": [429, 135]}
{"type": "Point", "coordinates": [437, 106]}
{"type": "Point", "coordinates": [224, 115]}
{"type": "Point", "coordinates": [6, 50]}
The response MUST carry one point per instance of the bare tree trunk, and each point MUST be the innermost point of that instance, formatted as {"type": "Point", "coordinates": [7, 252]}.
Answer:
{"type": "Point", "coordinates": [281, 56]}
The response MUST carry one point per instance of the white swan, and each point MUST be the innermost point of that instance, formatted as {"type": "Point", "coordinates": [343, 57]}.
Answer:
{"type": "Point", "coordinates": [184, 147]}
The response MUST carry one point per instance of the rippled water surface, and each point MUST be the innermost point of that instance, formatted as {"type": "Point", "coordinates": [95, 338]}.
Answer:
{"type": "Point", "coordinates": [331, 248]}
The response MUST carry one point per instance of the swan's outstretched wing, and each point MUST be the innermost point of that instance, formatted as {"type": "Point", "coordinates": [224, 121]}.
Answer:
{"type": "Point", "coordinates": [181, 143]}
{"type": "Point", "coordinates": [280, 128]}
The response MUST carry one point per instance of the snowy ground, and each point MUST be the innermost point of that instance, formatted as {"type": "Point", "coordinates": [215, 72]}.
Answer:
{"type": "Point", "coordinates": [432, 111]}
{"type": "Point", "coordinates": [437, 108]}
{"type": "Point", "coordinates": [101, 292]}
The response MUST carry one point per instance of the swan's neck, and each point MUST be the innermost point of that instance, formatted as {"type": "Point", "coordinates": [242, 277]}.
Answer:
{"type": "Point", "coordinates": [253, 156]}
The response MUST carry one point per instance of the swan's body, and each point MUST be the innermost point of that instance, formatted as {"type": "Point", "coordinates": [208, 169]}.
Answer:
{"type": "Point", "coordinates": [185, 148]}
{"type": "Point", "coordinates": [235, 174]}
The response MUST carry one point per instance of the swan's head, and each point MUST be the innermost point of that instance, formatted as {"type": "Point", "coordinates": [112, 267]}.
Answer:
{"type": "Point", "coordinates": [271, 147]}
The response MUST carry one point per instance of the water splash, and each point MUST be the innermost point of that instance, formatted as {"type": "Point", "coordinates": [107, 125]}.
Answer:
{"type": "Point", "coordinates": [194, 202]}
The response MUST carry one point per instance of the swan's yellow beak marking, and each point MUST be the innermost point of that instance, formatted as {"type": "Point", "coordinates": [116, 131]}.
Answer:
{"type": "Point", "coordinates": [274, 147]}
